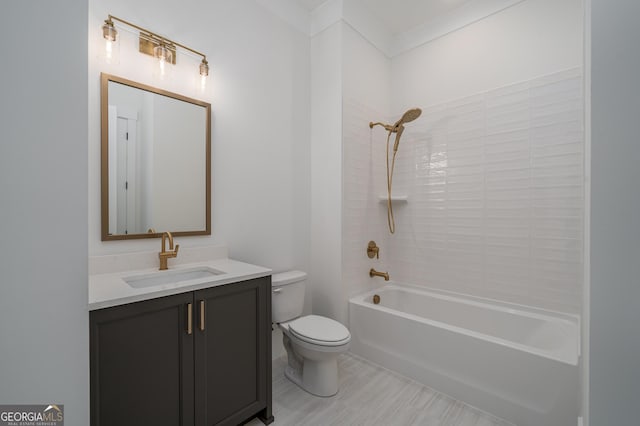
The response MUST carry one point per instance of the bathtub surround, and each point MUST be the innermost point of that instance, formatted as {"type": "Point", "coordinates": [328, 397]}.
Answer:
{"type": "Point", "coordinates": [493, 169]}
{"type": "Point", "coordinates": [495, 187]}
{"type": "Point", "coordinates": [495, 195]}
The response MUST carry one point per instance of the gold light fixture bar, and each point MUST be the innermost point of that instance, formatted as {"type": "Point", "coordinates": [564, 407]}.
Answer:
{"type": "Point", "coordinates": [148, 41]}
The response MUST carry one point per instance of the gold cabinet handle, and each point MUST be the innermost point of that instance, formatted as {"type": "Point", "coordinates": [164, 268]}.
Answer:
{"type": "Point", "coordinates": [189, 318]}
{"type": "Point", "coordinates": [202, 315]}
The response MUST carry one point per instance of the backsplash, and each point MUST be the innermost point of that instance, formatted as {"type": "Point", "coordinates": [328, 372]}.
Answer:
{"type": "Point", "coordinates": [495, 186]}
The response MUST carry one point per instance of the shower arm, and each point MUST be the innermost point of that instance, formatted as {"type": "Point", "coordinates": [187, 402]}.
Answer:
{"type": "Point", "coordinates": [387, 127]}
{"type": "Point", "coordinates": [397, 128]}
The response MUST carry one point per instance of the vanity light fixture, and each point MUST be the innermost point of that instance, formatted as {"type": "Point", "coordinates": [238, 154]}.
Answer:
{"type": "Point", "coordinates": [153, 44]}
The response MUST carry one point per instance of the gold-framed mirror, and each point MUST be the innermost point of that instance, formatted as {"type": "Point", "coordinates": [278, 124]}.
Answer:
{"type": "Point", "coordinates": [156, 161]}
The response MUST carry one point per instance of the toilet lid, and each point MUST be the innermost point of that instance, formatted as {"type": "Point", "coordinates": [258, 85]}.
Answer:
{"type": "Point", "coordinates": [321, 330]}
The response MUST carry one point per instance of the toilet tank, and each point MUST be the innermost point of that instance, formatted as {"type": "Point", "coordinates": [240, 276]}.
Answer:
{"type": "Point", "coordinates": [287, 295]}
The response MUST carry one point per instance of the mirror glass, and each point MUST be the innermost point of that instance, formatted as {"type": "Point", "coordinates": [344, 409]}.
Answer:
{"type": "Point", "coordinates": [156, 162]}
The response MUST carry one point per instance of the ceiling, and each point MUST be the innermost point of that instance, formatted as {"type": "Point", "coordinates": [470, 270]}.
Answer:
{"type": "Point", "coordinates": [401, 15]}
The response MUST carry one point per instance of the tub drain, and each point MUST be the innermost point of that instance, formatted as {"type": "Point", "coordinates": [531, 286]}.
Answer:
{"type": "Point", "coordinates": [376, 299]}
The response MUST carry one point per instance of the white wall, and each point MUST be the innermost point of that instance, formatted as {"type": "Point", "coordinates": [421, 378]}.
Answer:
{"type": "Point", "coordinates": [615, 214]}
{"type": "Point", "coordinates": [325, 285]}
{"type": "Point", "coordinates": [44, 323]}
{"type": "Point", "coordinates": [528, 40]}
{"type": "Point", "coordinates": [259, 91]}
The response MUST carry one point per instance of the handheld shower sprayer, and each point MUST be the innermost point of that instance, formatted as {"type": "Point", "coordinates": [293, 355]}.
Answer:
{"type": "Point", "coordinates": [397, 128]}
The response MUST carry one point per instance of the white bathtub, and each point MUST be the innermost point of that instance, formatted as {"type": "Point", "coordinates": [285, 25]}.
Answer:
{"type": "Point", "coordinates": [515, 362]}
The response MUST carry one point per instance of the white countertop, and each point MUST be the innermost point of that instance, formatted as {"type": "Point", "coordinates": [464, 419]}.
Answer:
{"type": "Point", "coordinates": [110, 289]}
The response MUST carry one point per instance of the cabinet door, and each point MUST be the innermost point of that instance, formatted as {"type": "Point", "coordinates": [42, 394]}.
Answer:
{"type": "Point", "coordinates": [142, 364]}
{"type": "Point", "coordinates": [233, 352]}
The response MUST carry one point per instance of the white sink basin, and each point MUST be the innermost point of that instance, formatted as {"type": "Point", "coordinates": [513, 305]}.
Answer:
{"type": "Point", "coordinates": [171, 277]}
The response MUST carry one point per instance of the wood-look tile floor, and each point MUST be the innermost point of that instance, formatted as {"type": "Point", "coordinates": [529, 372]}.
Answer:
{"type": "Point", "coordinates": [370, 395]}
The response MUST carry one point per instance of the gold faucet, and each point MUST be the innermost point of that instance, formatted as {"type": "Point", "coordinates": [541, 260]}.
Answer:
{"type": "Point", "coordinates": [374, 273]}
{"type": "Point", "coordinates": [164, 254]}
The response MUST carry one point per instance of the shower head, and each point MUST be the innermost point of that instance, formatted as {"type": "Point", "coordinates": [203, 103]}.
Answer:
{"type": "Point", "coordinates": [398, 127]}
{"type": "Point", "coordinates": [408, 117]}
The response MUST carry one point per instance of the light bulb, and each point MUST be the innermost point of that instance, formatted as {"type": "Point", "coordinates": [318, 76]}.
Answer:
{"type": "Point", "coordinates": [163, 54]}
{"type": "Point", "coordinates": [162, 65]}
{"type": "Point", "coordinates": [109, 49]}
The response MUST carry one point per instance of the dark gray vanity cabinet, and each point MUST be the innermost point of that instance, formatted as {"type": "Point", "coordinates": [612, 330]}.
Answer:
{"type": "Point", "coordinates": [200, 358]}
{"type": "Point", "coordinates": [142, 369]}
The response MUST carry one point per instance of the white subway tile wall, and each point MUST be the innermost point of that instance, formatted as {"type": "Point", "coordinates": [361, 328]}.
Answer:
{"type": "Point", "coordinates": [495, 186]}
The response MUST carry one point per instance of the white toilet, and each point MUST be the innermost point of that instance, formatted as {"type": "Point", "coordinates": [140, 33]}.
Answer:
{"type": "Point", "coordinates": [313, 342]}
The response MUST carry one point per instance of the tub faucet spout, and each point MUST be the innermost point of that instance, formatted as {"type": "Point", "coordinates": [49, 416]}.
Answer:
{"type": "Point", "coordinates": [374, 273]}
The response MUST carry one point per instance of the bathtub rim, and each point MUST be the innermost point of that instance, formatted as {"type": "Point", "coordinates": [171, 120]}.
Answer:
{"type": "Point", "coordinates": [528, 311]}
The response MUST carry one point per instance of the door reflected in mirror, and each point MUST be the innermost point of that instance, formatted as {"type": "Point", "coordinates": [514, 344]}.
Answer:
{"type": "Point", "coordinates": [156, 162]}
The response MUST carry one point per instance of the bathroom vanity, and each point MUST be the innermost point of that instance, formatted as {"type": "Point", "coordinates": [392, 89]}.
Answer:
{"type": "Point", "coordinates": [188, 346]}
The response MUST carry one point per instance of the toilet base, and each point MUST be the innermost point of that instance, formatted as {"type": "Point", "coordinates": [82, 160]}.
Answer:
{"type": "Point", "coordinates": [313, 367]}
{"type": "Point", "coordinates": [313, 371]}
{"type": "Point", "coordinates": [319, 378]}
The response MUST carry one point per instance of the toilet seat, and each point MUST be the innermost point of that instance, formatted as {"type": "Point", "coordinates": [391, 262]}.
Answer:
{"type": "Point", "coordinates": [318, 330]}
